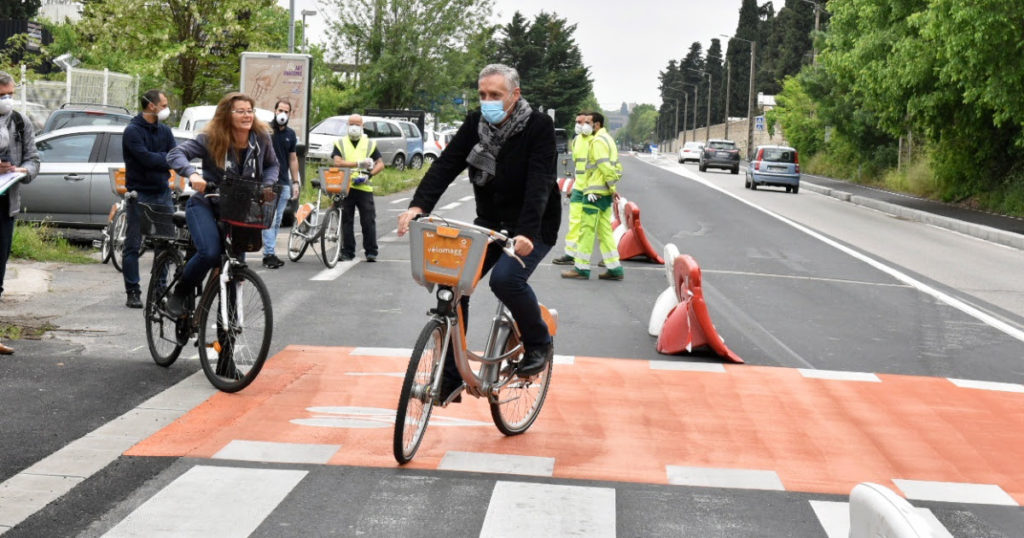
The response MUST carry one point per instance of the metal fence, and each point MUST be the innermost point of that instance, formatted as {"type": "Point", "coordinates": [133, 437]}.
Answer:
{"type": "Point", "coordinates": [39, 97]}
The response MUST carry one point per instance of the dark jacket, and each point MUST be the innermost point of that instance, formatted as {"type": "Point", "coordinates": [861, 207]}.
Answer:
{"type": "Point", "coordinates": [522, 197]}
{"type": "Point", "coordinates": [145, 146]}
{"type": "Point", "coordinates": [23, 154]}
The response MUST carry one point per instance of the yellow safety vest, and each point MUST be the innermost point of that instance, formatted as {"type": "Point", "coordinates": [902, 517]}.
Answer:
{"type": "Point", "coordinates": [603, 167]}
{"type": "Point", "coordinates": [355, 153]}
{"type": "Point", "coordinates": [580, 148]}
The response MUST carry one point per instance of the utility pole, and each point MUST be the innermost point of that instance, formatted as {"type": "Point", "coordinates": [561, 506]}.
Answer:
{"type": "Point", "coordinates": [707, 126]}
{"type": "Point", "coordinates": [291, 26]}
{"type": "Point", "coordinates": [750, 94]}
{"type": "Point", "coordinates": [728, 81]}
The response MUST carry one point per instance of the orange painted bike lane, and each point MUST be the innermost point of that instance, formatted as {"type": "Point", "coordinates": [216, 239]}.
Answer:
{"type": "Point", "coordinates": [621, 420]}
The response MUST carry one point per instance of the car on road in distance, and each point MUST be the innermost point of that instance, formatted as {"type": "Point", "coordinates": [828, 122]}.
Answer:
{"type": "Point", "coordinates": [194, 118]}
{"type": "Point", "coordinates": [387, 133]}
{"type": "Point", "coordinates": [413, 143]}
{"type": "Point", "coordinates": [73, 185]}
{"type": "Point", "coordinates": [778, 166]}
{"type": "Point", "coordinates": [720, 153]}
{"type": "Point", "coordinates": [433, 144]}
{"type": "Point", "coordinates": [79, 114]}
{"type": "Point", "coordinates": [691, 151]}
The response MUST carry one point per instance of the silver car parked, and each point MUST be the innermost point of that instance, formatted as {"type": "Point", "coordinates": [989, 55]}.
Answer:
{"type": "Point", "coordinates": [388, 135]}
{"type": "Point", "coordinates": [73, 185]}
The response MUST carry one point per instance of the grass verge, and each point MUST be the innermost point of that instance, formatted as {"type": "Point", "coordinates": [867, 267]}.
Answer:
{"type": "Point", "coordinates": [387, 182]}
{"type": "Point", "coordinates": [43, 243]}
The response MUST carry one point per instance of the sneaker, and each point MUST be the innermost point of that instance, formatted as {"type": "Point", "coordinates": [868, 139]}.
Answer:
{"type": "Point", "coordinates": [272, 262]}
{"type": "Point", "coordinates": [612, 274]}
{"type": "Point", "coordinates": [564, 260]}
{"type": "Point", "coordinates": [578, 274]}
{"type": "Point", "coordinates": [451, 388]}
{"type": "Point", "coordinates": [175, 304]}
{"type": "Point", "coordinates": [134, 299]}
{"type": "Point", "coordinates": [534, 361]}
{"type": "Point", "coordinates": [346, 257]}
{"type": "Point", "coordinates": [371, 258]}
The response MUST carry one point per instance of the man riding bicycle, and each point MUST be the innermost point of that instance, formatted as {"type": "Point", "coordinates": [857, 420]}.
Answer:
{"type": "Point", "coordinates": [510, 151]}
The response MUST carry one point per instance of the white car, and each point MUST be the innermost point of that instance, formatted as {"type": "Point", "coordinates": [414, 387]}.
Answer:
{"type": "Point", "coordinates": [194, 118]}
{"type": "Point", "coordinates": [433, 145]}
{"type": "Point", "coordinates": [691, 151]}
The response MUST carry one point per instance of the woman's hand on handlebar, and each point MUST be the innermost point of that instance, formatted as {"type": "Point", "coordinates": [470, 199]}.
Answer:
{"type": "Point", "coordinates": [405, 218]}
{"type": "Point", "coordinates": [523, 245]}
{"type": "Point", "coordinates": [198, 183]}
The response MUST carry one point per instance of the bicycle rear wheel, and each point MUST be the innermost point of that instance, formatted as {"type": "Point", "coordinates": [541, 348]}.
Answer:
{"type": "Point", "coordinates": [330, 241]}
{"type": "Point", "coordinates": [516, 405]}
{"type": "Point", "coordinates": [107, 246]}
{"type": "Point", "coordinates": [120, 227]}
{"type": "Point", "coordinates": [163, 333]}
{"type": "Point", "coordinates": [416, 400]}
{"type": "Point", "coordinates": [298, 239]}
{"type": "Point", "coordinates": [232, 351]}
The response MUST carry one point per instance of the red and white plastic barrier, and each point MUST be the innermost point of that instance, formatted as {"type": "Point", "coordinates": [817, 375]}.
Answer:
{"type": "Point", "coordinates": [876, 511]}
{"type": "Point", "coordinates": [618, 226]}
{"type": "Point", "coordinates": [634, 243]}
{"type": "Point", "coordinates": [565, 185]}
{"type": "Point", "coordinates": [688, 325]}
{"type": "Point", "coordinates": [668, 299]}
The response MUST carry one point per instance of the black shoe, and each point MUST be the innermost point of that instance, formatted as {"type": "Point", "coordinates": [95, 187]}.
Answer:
{"type": "Point", "coordinates": [371, 258]}
{"type": "Point", "coordinates": [272, 262]}
{"type": "Point", "coordinates": [175, 304]}
{"type": "Point", "coordinates": [134, 299]}
{"type": "Point", "coordinates": [346, 257]}
{"type": "Point", "coordinates": [448, 388]}
{"type": "Point", "coordinates": [564, 260]}
{"type": "Point", "coordinates": [534, 361]}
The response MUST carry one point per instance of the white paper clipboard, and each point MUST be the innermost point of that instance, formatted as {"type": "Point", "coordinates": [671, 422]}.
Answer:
{"type": "Point", "coordinates": [8, 179]}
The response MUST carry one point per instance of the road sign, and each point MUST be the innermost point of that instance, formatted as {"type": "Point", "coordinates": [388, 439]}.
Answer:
{"type": "Point", "coordinates": [759, 123]}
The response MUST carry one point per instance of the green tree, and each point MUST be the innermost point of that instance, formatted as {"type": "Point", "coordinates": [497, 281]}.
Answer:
{"type": "Point", "coordinates": [19, 9]}
{"type": "Point", "coordinates": [738, 54]}
{"type": "Point", "coordinates": [640, 129]}
{"type": "Point", "coordinates": [410, 53]}
{"type": "Point", "coordinates": [549, 61]}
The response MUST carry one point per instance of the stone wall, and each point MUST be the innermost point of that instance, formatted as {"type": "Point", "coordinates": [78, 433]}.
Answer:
{"type": "Point", "coordinates": [737, 133]}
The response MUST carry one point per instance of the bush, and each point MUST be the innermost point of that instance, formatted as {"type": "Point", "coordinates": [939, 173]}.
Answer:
{"type": "Point", "coordinates": [41, 242]}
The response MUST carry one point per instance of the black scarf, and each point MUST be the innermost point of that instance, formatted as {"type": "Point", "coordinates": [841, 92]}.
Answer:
{"type": "Point", "coordinates": [483, 157]}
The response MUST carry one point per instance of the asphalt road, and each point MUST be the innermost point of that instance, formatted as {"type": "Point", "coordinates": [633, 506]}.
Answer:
{"type": "Point", "coordinates": [792, 282]}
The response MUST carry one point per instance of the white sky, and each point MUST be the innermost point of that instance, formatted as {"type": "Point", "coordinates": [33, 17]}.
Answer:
{"type": "Point", "coordinates": [625, 43]}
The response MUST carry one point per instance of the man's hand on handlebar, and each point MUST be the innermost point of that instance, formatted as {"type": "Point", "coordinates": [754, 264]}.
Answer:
{"type": "Point", "coordinates": [523, 245]}
{"type": "Point", "coordinates": [198, 183]}
{"type": "Point", "coordinates": [405, 218]}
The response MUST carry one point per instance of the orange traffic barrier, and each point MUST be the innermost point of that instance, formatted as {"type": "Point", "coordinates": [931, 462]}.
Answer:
{"type": "Point", "coordinates": [634, 242]}
{"type": "Point", "coordinates": [688, 325]}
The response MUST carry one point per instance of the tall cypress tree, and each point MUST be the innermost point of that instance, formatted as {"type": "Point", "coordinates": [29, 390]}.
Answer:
{"type": "Point", "coordinates": [739, 55]}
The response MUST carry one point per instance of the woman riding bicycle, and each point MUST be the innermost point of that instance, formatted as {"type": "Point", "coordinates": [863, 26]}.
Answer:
{"type": "Point", "coordinates": [510, 151]}
{"type": "Point", "coordinates": [235, 142]}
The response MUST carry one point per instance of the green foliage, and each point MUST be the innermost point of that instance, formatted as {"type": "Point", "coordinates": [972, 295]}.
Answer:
{"type": "Point", "coordinates": [417, 54]}
{"type": "Point", "coordinates": [41, 242]}
{"type": "Point", "coordinates": [549, 61]}
{"type": "Point", "coordinates": [640, 128]}
{"type": "Point", "coordinates": [19, 9]}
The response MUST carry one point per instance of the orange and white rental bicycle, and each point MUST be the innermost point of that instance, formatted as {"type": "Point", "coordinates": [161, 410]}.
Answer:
{"type": "Point", "coordinates": [449, 255]}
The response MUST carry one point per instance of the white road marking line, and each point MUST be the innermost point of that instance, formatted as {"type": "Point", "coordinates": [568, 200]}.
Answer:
{"type": "Point", "coordinates": [400, 200]}
{"type": "Point", "coordinates": [687, 366]}
{"type": "Point", "coordinates": [218, 501]}
{"type": "Point", "coordinates": [337, 271]}
{"type": "Point", "coordinates": [452, 205]}
{"type": "Point", "coordinates": [985, 318]}
{"type": "Point", "coordinates": [521, 509]}
{"type": "Point", "coordinates": [724, 478]}
{"type": "Point", "coordinates": [30, 490]}
{"type": "Point", "coordinates": [481, 462]}
{"type": "Point", "coordinates": [839, 375]}
{"type": "Point", "coordinates": [955, 492]}
{"type": "Point", "coordinates": [564, 359]}
{"type": "Point", "coordinates": [835, 519]}
{"type": "Point", "coordinates": [267, 451]}
{"type": "Point", "coordinates": [987, 385]}
{"type": "Point", "coordinates": [382, 351]}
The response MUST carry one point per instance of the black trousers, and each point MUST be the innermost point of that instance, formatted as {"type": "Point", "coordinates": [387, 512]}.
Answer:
{"type": "Point", "coordinates": [6, 236]}
{"type": "Point", "coordinates": [363, 202]}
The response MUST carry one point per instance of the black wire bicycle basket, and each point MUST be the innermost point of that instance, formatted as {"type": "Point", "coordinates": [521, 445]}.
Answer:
{"type": "Point", "coordinates": [157, 221]}
{"type": "Point", "coordinates": [243, 202]}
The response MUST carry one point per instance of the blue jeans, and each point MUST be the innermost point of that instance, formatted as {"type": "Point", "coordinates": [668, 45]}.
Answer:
{"type": "Point", "coordinates": [202, 225]}
{"type": "Point", "coordinates": [133, 236]}
{"type": "Point", "coordinates": [270, 234]}
{"type": "Point", "coordinates": [510, 286]}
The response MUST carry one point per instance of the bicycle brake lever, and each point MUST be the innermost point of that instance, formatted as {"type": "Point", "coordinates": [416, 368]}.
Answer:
{"type": "Point", "coordinates": [510, 249]}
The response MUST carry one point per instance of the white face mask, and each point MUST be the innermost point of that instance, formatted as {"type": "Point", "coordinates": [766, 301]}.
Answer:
{"type": "Point", "coordinates": [579, 128]}
{"type": "Point", "coordinates": [355, 131]}
{"type": "Point", "coordinates": [163, 114]}
{"type": "Point", "coordinates": [587, 129]}
{"type": "Point", "coordinates": [6, 105]}
{"type": "Point", "coordinates": [282, 118]}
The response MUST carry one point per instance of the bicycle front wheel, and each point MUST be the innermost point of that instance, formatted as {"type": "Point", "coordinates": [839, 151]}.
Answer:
{"type": "Point", "coordinates": [232, 349]}
{"type": "Point", "coordinates": [517, 403]}
{"type": "Point", "coordinates": [416, 400]}
{"type": "Point", "coordinates": [298, 239]}
{"type": "Point", "coordinates": [330, 241]}
{"type": "Point", "coordinates": [120, 227]}
{"type": "Point", "coordinates": [107, 246]}
{"type": "Point", "coordinates": [164, 334]}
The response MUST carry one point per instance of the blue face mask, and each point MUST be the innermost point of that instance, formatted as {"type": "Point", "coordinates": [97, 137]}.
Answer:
{"type": "Point", "coordinates": [493, 111]}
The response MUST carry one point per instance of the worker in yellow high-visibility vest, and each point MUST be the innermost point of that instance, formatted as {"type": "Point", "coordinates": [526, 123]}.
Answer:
{"type": "Point", "coordinates": [357, 151]}
{"type": "Point", "coordinates": [580, 148]}
{"type": "Point", "coordinates": [599, 193]}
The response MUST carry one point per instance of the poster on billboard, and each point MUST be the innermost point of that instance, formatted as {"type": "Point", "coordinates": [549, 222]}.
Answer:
{"type": "Point", "coordinates": [269, 77]}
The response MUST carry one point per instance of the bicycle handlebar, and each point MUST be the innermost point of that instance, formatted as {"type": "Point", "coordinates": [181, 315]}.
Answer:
{"type": "Point", "coordinates": [508, 244]}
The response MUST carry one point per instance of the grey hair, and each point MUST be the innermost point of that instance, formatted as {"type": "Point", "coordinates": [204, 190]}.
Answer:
{"type": "Point", "coordinates": [5, 79]}
{"type": "Point", "coordinates": [510, 74]}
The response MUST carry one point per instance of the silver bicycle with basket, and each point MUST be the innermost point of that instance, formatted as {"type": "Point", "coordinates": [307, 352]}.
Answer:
{"type": "Point", "coordinates": [449, 255]}
{"type": "Point", "coordinates": [312, 223]}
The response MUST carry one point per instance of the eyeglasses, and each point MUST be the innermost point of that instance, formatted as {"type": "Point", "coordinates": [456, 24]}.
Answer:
{"type": "Point", "coordinates": [241, 112]}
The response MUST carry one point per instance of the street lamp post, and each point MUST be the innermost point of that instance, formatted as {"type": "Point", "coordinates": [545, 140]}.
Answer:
{"type": "Point", "coordinates": [750, 95]}
{"type": "Point", "coordinates": [707, 121]}
{"type": "Point", "coordinates": [291, 26]}
{"type": "Point", "coordinates": [305, 13]}
{"type": "Point", "coordinates": [693, 135]}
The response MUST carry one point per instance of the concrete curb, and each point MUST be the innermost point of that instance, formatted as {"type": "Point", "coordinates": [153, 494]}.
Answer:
{"type": "Point", "coordinates": [987, 233]}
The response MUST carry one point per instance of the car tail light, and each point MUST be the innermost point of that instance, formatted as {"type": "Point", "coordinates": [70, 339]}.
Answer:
{"type": "Point", "coordinates": [797, 167]}
{"type": "Point", "coordinates": [796, 161]}
{"type": "Point", "coordinates": [757, 165]}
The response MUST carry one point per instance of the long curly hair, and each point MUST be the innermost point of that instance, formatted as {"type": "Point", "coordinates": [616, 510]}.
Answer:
{"type": "Point", "coordinates": [219, 131]}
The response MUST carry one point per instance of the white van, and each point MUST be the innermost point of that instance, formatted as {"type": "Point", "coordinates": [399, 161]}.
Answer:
{"type": "Point", "coordinates": [194, 118]}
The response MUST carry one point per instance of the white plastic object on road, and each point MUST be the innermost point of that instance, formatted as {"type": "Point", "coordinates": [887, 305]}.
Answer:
{"type": "Point", "coordinates": [667, 300]}
{"type": "Point", "coordinates": [878, 512]}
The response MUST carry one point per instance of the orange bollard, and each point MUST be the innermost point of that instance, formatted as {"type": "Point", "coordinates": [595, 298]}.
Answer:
{"type": "Point", "coordinates": [634, 242]}
{"type": "Point", "coordinates": [689, 325]}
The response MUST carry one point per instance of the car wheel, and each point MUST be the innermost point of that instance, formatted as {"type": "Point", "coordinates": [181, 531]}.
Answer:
{"type": "Point", "coordinates": [746, 183]}
{"type": "Point", "coordinates": [399, 162]}
{"type": "Point", "coordinates": [429, 159]}
{"type": "Point", "coordinates": [703, 167]}
{"type": "Point", "coordinates": [789, 189]}
{"type": "Point", "coordinates": [753, 185]}
{"type": "Point", "coordinates": [735, 170]}
{"type": "Point", "coordinates": [417, 162]}
{"type": "Point", "coordinates": [796, 189]}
